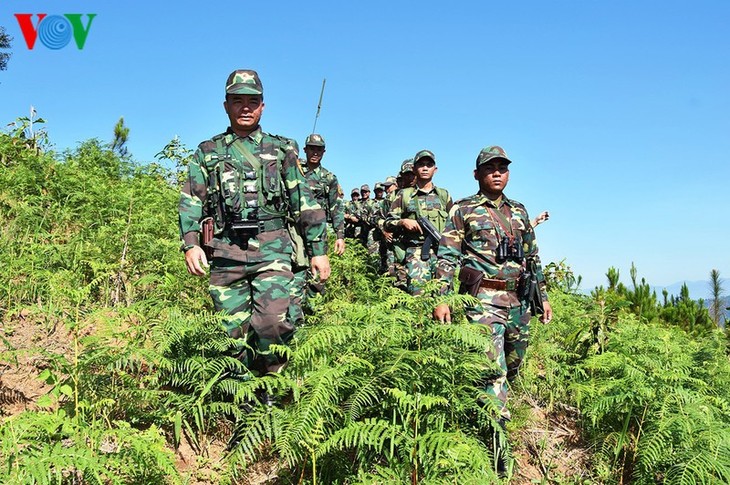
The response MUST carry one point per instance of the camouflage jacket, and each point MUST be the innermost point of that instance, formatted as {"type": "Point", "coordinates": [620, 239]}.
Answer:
{"type": "Point", "coordinates": [327, 191]}
{"type": "Point", "coordinates": [472, 234]}
{"type": "Point", "coordinates": [411, 203]}
{"type": "Point", "coordinates": [289, 200]}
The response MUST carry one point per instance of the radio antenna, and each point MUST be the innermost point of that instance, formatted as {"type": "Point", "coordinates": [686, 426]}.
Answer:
{"type": "Point", "coordinates": [319, 106]}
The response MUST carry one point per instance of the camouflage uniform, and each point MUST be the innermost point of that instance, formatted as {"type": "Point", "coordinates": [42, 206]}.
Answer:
{"type": "Point", "coordinates": [476, 226]}
{"type": "Point", "coordinates": [412, 203]}
{"type": "Point", "coordinates": [327, 192]}
{"type": "Point", "coordinates": [352, 230]}
{"type": "Point", "coordinates": [254, 184]}
{"type": "Point", "coordinates": [363, 209]}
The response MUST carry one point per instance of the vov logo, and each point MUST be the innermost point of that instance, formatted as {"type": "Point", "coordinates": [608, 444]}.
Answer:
{"type": "Point", "coordinates": [55, 31]}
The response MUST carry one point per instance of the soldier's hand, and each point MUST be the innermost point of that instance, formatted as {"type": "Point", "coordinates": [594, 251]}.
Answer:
{"type": "Point", "coordinates": [442, 313]}
{"type": "Point", "coordinates": [548, 315]}
{"type": "Point", "coordinates": [410, 225]}
{"type": "Point", "coordinates": [320, 267]}
{"type": "Point", "coordinates": [339, 247]}
{"type": "Point", "coordinates": [388, 236]}
{"type": "Point", "coordinates": [196, 261]}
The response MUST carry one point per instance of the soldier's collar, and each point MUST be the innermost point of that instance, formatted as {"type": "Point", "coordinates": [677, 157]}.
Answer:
{"type": "Point", "coordinates": [483, 199]}
{"type": "Point", "coordinates": [256, 136]}
{"type": "Point", "coordinates": [424, 191]}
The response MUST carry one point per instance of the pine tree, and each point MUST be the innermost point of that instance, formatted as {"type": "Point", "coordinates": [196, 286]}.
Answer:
{"type": "Point", "coordinates": [716, 303]}
{"type": "Point", "coordinates": [4, 44]}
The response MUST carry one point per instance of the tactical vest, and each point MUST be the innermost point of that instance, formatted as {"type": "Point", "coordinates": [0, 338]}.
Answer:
{"type": "Point", "coordinates": [320, 190]}
{"type": "Point", "coordinates": [245, 191]}
{"type": "Point", "coordinates": [437, 215]}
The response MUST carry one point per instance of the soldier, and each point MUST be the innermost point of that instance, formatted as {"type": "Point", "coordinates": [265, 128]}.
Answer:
{"type": "Point", "coordinates": [364, 207]}
{"type": "Point", "coordinates": [490, 238]}
{"type": "Point", "coordinates": [352, 228]}
{"type": "Point", "coordinates": [248, 183]}
{"type": "Point", "coordinates": [326, 190]}
{"type": "Point", "coordinates": [397, 257]}
{"type": "Point", "coordinates": [424, 201]}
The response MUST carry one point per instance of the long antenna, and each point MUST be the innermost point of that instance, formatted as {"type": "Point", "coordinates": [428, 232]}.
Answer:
{"type": "Point", "coordinates": [319, 106]}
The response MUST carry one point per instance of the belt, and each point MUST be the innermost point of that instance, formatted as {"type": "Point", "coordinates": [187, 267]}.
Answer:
{"type": "Point", "coordinates": [500, 285]}
{"type": "Point", "coordinates": [261, 225]}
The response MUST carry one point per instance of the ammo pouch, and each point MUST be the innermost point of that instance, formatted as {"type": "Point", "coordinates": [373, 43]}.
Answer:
{"type": "Point", "coordinates": [470, 280]}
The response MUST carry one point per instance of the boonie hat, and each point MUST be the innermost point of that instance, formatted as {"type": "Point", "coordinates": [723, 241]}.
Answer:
{"type": "Point", "coordinates": [365, 187]}
{"type": "Point", "coordinates": [390, 180]}
{"type": "Point", "coordinates": [244, 81]}
{"type": "Point", "coordinates": [490, 153]}
{"type": "Point", "coordinates": [379, 186]}
{"type": "Point", "coordinates": [314, 140]}
{"type": "Point", "coordinates": [355, 191]}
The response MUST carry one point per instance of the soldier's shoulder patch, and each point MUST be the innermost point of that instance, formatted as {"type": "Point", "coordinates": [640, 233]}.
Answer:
{"type": "Point", "coordinates": [299, 166]}
{"type": "Point", "coordinates": [207, 146]}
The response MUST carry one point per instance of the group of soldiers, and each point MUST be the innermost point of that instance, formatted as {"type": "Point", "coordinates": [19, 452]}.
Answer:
{"type": "Point", "coordinates": [257, 215]}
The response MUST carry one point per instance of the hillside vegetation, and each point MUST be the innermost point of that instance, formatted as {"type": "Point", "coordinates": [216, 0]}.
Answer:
{"type": "Point", "coordinates": [115, 370]}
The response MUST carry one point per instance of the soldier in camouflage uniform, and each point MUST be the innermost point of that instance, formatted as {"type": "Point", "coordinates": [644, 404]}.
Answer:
{"type": "Point", "coordinates": [375, 214]}
{"type": "Point", "coordinates": [352, 228]}
{"type": "Point", "coordinates": [476, 227]}
{"type": "Point", "coordinates": [326, 190]}
{"type": "Point", "coordinates": [250, 184]}
{"type": "Point", "coordinates": [424, 200]}
{"type": "Point", "coordinates": [364, 207]}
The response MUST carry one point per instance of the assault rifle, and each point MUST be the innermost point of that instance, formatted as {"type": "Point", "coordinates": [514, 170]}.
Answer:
{"type": "Point", "coordinates": [529, 289]}
{"type": "Point", "coordinates": [432, 238]}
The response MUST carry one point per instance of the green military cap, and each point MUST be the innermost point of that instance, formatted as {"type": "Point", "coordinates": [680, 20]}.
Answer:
{"type": "Point", "coordinates": [424, 154]}
{"type": "Point", "coordinates": [406, 166]}
{"type": "Point", "coordinates": [390, 180]}
{"type": "Point", "coordinates": [490, 153]}
{"type": "Point", "coordinates": [379, 186]}
{"type": "Point", "coordinates": [244, 81]}
{"type": "Point", "coordinates": [364, 187]}
{"type": "Point", "coordinates": [355, 191]}
{"type": "Point", "coordinates": [314, 140]}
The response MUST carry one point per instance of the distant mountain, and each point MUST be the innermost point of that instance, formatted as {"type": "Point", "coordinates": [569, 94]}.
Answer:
{"type": "Point", "coordinates": [697, 289]}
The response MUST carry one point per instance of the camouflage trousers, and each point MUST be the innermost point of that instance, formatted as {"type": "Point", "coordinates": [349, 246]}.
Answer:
{"type": "Point", "coordinates": [303, 287]}
{"type": "Point", "coordinates": [255, 298]}
{"type": "Point", "coordinates": [418, 272]}
{"type": "Point", "coordinates": [509, 324]}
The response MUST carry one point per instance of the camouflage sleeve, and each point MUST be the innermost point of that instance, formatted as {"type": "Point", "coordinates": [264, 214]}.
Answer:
{"type": "Point", "coordinates": [394, 214]}
{"type": "Point", "coordinates": [449, 254]}
{"type": "Point", "coordinates": [304, 207]}
{"type": "Point", "coordinates": [529, 245]}
{"type": "Point", "coordinates": [192, 200]}
{"type": "Point", "coordinates": [336, 208]}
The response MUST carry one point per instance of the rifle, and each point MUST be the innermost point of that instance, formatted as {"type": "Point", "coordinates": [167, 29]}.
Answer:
{"type": "Point", "coordinates": [530, 289]}
{"type": "Point", "coordinates": [432, 238]}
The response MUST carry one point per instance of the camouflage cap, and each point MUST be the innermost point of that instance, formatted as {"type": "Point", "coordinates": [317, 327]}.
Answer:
{"type": "Point", "coordinates": [244, 81]}
{"type": "Point", "coordinates": [355, 191]}
{"type": "Point", "coordinates": [390, 180]}
{"type": "Point", "coordinates": [364, 187]}
{"type": "Point", "coordinates": [379, 186]}
{"type": "Point", "coordinates": [314, 140]}
{"type": "Point", "coordinates": [406, 166]}
{"type": "Point", "coordinates": [424, 154]}
{"type": "Point", "coordinates": [490, 153]}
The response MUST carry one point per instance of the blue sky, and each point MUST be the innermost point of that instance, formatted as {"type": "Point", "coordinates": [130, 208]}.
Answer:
{"type": "Point", "coordinates": [616, 114]}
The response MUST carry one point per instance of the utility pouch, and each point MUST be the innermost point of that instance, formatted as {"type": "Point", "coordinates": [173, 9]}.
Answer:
{"type": "Point", "coordinates": [470, 280]}
{"type": "Point", "coordinates": [206, 236]}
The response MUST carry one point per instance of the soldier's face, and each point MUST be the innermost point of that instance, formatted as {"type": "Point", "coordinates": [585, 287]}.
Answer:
{"type": "Point", "coordinates": [492, 176]}
{"type": "Point", "coordinates": [244, 110]}
{"type": "Point", "coordinates": [408, 179]}
{"type": "Point", "coordinates": [314, 154]}
{"type": "Point", "coordinates": [378, 193]}
{"type": "Point", "coordinates": [364, 194]}
{"type": "Point", "coordinates": [425, 169]}
{"type": "Point", "coordinates": [355, 197]}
